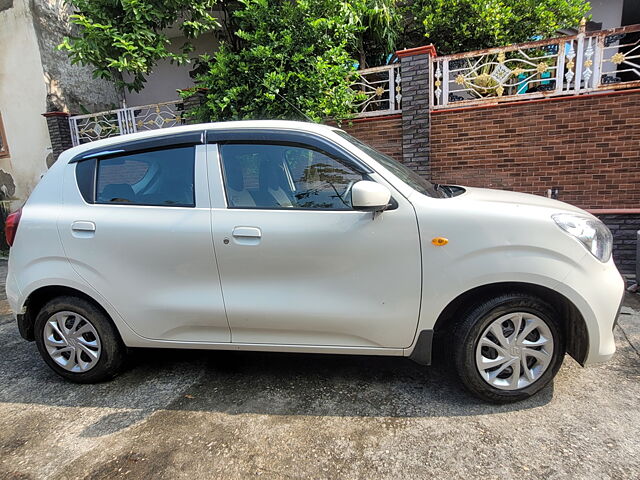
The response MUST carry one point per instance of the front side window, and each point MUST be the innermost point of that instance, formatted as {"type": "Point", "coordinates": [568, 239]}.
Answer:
{"type": "Point", "coordinates": [405, 174]}
{"type": "Point", "coordinates": [281, 176]}
{"type": "Point", "coordinates": [160, 178]}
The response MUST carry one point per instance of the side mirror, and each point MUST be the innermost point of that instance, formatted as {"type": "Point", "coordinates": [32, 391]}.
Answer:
{"type": "Point", "coordinates": [369, 196]}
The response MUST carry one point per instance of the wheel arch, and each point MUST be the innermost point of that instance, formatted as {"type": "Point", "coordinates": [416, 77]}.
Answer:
{"type": "Point", "coordinates": [574, 325]}
{"type": "Point", "coordinates": [40, 296]}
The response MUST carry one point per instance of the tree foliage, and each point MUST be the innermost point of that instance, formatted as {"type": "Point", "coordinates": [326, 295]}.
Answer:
{"type": "Point", "coordinates": [381, 22]}
{"type": "Point", "coordinates": [293, 61]}
{"type": "Point", "coordinates": [462, 25]}
{"type": "Point", "coordinates": [124, 39]}
{"type": "Point", "coordinates": [293, 58]}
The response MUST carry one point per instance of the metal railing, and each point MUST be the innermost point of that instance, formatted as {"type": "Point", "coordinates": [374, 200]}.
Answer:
{"type": "Point", "coordinates": [111, 123]}
{"type": "Point", "coordinates": [382, 90]}
{"type": "Point", "coordinates": [571, 65]}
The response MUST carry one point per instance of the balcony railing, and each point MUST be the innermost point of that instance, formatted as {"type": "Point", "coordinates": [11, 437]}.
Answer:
{"type": "Point", "coordinates": [111, 123]}
{"type": "Point", "coordinates": [587, 62]}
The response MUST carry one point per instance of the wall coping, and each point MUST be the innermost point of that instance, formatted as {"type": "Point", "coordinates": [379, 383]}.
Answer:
{"type": "Point", "coordinates": [614, 211]}
{"type": "Point", "coordinates": [373, 118]}
{"type": "Point", "coordinates": [438, 111]}
{"type": "Point", "coordinates": [56, 114]}
{"type": "Point", "coordinates": [408, 52]}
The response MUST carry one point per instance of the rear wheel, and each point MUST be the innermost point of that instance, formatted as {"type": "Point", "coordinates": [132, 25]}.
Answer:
{"type": "Point", "coordinates": [508, 348]}
{"type": "Point", "coordinates": [78, 341]}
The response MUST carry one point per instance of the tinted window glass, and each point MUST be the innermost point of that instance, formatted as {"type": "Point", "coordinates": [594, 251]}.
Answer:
{"type": "Point", "coordinates": [85, 173]}
{"type": "Point", "coordinates": [286, 176]}
{"type": "Point", "coordinates": [405, 174]}
{"type": "Point", "coordinates": [163, 178]}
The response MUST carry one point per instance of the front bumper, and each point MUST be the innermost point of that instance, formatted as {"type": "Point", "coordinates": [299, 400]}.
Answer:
{"type": "Point", "coordinates": [597, 291]}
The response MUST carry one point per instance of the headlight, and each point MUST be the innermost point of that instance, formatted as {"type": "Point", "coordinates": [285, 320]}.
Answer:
{"type": "Point", "coordinates": [590, 231]}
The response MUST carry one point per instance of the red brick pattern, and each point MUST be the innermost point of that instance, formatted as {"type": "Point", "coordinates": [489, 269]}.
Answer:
{"type": "Point", "coordinates": [382, 133]}
{"type": "Point", "coordinates": [588, 147]}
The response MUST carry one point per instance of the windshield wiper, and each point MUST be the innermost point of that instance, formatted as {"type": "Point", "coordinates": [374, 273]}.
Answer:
{"type": "Point", "coordinates": [446, 191]}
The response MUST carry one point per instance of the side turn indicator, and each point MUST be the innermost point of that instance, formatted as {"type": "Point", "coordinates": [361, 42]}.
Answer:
{"type": "Point", "coordinates": [440, 241]}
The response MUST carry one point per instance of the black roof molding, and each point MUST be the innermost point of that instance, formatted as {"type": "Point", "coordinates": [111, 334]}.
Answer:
{"type": "Point", "coordinates": [175, 140]}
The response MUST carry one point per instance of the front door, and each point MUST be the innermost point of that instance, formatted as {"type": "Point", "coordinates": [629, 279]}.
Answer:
{"type": "Point", "coordinates": [298, 265]}
{"type": "Point", "coordinates": [142, 239]}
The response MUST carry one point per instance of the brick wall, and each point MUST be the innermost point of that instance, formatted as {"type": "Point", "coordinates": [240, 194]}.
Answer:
{"type": "Point", "coordinates": [588, 146]}
{"type": "Point", "coordinates": [59, 132]}
{"type": "Point", "coordinates": [623, 228]}
{"type": "Point", "coordinates": [382, 133]}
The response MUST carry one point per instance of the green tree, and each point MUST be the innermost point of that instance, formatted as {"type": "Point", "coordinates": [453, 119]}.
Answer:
{"type": "Point", "coordinates": [293, 61]}
{"type": "Point", "coordinates": [381, 23]}
{"type": "Point", "coordinates": [124, 39]}
{"type": "Point", "coordinates": [461, 25]}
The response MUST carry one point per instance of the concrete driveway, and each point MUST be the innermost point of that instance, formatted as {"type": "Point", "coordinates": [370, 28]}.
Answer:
{"type": "Point", "coordinates": [183, 414]}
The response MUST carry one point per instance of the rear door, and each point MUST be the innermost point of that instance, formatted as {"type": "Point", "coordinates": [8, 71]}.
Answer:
{"type": "Point", "coordinates": [298, 265]}
{"type": "Point", "coordinates": [136, 226]}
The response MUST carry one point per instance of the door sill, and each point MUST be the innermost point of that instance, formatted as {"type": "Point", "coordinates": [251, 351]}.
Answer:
{"type": "Point", "coordinates": [268, 347]}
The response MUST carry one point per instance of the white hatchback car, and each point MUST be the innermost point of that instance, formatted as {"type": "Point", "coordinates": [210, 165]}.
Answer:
{"type": "Point", "coordinates": [295, 237]}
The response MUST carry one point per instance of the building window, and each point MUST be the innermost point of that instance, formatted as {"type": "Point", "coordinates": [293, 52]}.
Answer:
{"type": "Point", "coordinates": [4, 148]}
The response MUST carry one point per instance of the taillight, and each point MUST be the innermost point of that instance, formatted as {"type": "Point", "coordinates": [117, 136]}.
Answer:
{"type": "Point", "coordinates": [11, 226]}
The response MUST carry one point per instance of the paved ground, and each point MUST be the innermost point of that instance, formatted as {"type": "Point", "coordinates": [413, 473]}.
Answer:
{"type": "Point", "coordinates": [240, 415]}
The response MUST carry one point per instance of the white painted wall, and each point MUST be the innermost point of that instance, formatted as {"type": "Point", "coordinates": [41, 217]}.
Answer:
{"type": "Point", "coordinates": [609, 12]}
{"type": "Point", "coordinates": [22, 100]}
{"type": "Point", "coordinates": [166, 78]}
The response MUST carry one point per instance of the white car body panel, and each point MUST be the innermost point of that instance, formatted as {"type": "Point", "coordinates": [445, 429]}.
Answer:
{"type": "Point", "coordinates": [371, 284]}
{"type": "Point", "coordinates": [310, 278]}
{"type": "Point", "coordinates": [512, 244]}
{"type": "Point", "coordinates": [155, 263]}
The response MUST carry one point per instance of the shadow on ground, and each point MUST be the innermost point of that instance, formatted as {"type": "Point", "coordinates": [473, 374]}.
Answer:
{"type": "Point", "coordinates": [246, 382]}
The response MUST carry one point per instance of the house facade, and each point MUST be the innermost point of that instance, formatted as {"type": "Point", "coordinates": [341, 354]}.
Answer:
{"type": "Point", "coordinates": [36, 78]}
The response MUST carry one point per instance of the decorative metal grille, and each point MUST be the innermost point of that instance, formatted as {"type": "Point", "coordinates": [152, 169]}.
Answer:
{"type": "Point", "coordinates": [382, 90]}
{"type": "Point", "coordinates": [620, 60]}
{"type": "Point", "coordinates": [95, 126]}
{"type": "Point", "coordinates": [561, 66]}
{"type": "Point", "coordinates": [161, 115]}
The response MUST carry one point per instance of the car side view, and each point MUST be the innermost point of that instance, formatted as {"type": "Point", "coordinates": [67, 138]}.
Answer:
{"type": "Point", "coordinates": [296, 237]}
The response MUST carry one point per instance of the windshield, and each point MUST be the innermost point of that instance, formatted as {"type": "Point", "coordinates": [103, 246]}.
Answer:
{"type": "Point", "coordinates": [405, 174]}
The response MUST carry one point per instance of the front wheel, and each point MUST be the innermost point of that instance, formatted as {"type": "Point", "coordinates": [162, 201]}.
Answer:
{"type": "Point", "coordinates": [508, 348]}
{"type": "Point", "coordinates": [78, 341]}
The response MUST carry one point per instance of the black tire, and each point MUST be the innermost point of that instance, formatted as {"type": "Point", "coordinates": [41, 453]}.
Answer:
{"type": "Point", "coordinates": [468, 333]}
{"type": "Point", "coordinates": [113, 352]}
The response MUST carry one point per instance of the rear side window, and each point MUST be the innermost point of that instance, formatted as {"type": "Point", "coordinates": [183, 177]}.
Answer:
{"type": "Point", "coordinates": [159, 178]}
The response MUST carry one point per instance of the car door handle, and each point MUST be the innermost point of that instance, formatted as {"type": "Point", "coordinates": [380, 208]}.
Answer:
{"type": "Point", "coordinates": [83, 226]}
{"type": "Point", "coordinates": [251, 232]}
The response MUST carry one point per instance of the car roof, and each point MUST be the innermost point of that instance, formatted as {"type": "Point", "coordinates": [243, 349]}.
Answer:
{"type": "Point", "coordinates": [182, 130]}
